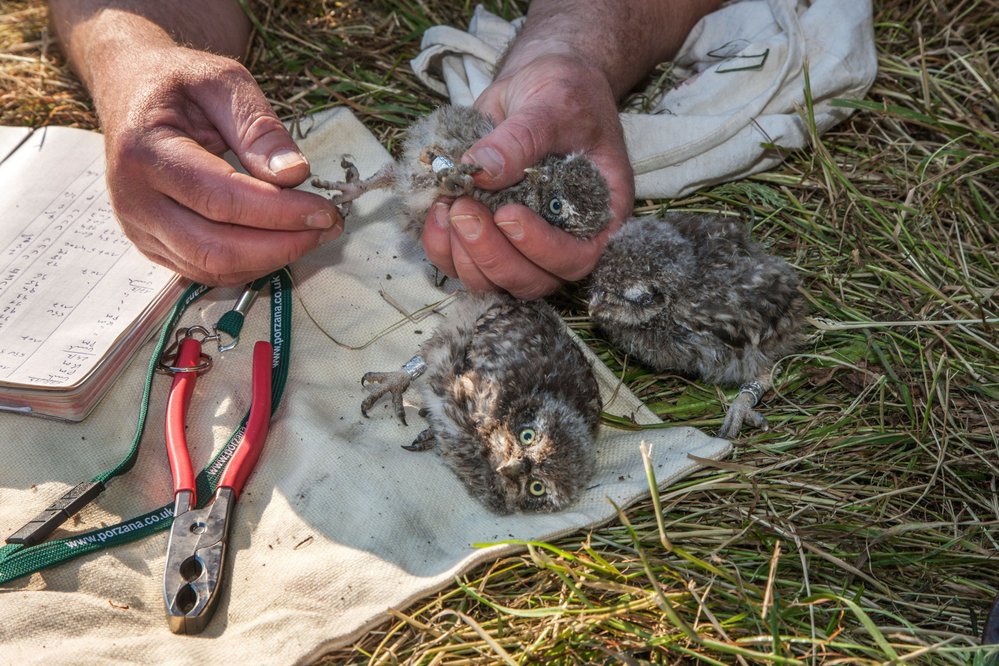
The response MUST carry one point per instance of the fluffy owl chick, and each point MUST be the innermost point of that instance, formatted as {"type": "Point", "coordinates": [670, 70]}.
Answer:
{"type": "Point", "coordinates": [566, 190]}
{"type": "Point", "coordinates": [511, 402]}
{"type": "Point", "coordinates": [693, 293]}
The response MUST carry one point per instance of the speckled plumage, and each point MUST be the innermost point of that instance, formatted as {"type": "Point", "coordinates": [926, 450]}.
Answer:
{"type": "Point", "coordinates": [567, 190]}
{"type": "Point", "coordinates": [511, 402]}
{"type": "Point", "coordinates": [694, 294]}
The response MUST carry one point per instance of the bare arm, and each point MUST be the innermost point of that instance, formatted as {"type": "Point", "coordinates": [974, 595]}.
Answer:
{"type": "Point", "coordinates": [171, 99]}
{"type": "Point", "coordinates": [624, 39]}
{"type": "Point", "coordinates": [88, 27]}
{"type": "Point", "coordinates": [556, 91]}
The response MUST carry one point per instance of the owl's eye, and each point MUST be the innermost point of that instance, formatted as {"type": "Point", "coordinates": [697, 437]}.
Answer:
{"type": "Point", "coordinates": [526, 436]}
{"type": "Point", "coordinates": [536, 487]}
{"type": "Point", "coordinates": [555, 206]}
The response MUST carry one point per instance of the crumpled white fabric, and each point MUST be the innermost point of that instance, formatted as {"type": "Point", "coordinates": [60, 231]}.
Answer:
{"type": "Point", "coordinates": [740, 108]}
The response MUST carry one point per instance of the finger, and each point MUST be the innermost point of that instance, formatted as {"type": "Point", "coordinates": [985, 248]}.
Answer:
{"type": "Point", "coordinates": [212, 188]}
{"type": "Point", "coordinates": [251, 129]}
{"type": "Point", "coordinates": [517, 143]}
{"type": "Point", "coordinates": [558, 253]}
{"type": "Point", "coordinates": [436, 238]}
{"type": "Point", "coordinates": [612, 161]}
{"type": "Point", "coordinates": [466, 271]}
{"type": "Point", "coordinates": [478, 243]}
{"type": "Point", "coordinates": [223, 254]}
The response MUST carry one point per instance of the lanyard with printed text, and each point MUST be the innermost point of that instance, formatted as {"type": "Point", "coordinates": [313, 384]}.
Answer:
{"type": "Point", "coordinates": [26, 550]}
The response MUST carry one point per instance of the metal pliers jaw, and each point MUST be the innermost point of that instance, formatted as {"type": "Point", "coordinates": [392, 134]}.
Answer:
{"type": "Point", "coordinates": [195, 562]}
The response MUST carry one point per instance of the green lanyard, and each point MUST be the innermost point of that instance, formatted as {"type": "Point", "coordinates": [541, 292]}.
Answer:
{"type": "Point", "coordinates": [25, 557]}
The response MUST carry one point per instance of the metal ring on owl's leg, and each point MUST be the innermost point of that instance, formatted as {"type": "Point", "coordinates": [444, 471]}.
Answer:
{"type": "Point", "coordinates": [440, 163]}
{"type": "Point", "coordinates": [415, 366]}
{"type": "Point", "coordinates": [741, 410]}
{"type": "Point", "coordinates": [755, 389]}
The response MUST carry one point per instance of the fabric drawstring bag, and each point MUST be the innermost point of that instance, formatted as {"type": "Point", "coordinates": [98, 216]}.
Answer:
{"type": "Point", "coordinates": [738, 110]}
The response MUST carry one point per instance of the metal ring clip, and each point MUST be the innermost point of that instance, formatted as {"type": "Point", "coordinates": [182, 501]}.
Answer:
{"type": "Point", "coordinates": [171, 352]}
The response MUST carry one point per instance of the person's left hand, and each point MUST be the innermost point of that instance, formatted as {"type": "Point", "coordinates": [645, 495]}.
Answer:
{"type": "Point", "coordinates": [555, 104]}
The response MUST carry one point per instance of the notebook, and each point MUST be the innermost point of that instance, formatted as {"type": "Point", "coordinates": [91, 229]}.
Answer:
{"type": "Point", "coordinates": [76, 297]}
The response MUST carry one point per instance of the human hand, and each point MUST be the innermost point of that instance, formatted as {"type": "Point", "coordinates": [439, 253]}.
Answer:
{"type": "Point", "coordinates": [168, 116]}
{"type": "Point", "coordinates": [554, 104]}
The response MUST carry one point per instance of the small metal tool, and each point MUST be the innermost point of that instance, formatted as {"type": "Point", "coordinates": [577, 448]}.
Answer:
{"type": "Point", "coordinates": [196, 551]}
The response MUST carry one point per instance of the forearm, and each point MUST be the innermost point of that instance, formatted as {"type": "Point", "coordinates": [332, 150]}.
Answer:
{"type": "Point", "coordinates": [624, 39]}
{"type": "Point", "coordinates": [99, 35]}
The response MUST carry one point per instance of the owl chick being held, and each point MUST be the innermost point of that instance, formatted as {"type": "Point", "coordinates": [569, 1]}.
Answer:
{"type": "Point", "coordinates": [566, 190]}
{"type": "Point", "coordinates": [511, 402]}
{"type": "Point", "coordinates": [694, 294]}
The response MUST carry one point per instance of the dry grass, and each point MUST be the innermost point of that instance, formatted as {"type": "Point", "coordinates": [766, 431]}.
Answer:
{"type": "Point", "coordinates": [862, 527]}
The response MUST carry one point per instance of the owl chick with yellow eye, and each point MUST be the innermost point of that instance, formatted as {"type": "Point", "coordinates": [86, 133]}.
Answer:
{"type": "Point", "coordinates": [566, 190]}
{"type": "Point", "coordinates": [511, 402]}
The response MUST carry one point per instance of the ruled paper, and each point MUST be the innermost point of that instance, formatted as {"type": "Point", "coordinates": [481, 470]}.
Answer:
{"type": "Point", "coordinates": [71, 283]}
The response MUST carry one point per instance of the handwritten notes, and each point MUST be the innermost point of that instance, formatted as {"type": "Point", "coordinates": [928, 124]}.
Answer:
{"type": "Point", "coordinates": [71, 284]}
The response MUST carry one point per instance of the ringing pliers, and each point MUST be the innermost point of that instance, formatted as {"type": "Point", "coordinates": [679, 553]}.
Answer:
{"type": "Point", "coordinates": [196, 551]}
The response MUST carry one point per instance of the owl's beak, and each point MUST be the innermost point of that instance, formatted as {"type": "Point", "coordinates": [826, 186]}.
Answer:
{"type": "Point", "coordinates": [532, 174]}
{"type": "Point", "coordinates": [511, 469]}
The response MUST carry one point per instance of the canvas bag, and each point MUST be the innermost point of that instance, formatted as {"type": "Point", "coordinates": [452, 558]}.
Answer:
{"type": "Point", "coordinates": [743, 91]}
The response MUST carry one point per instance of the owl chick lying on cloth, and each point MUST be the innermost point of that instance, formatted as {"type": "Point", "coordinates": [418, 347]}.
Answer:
{"type": "Point", "coordinates": [566, 190]}
{"type": "Point", "coordinates": [694, 294]}
{"type": "Point", "coordinates": [511, 402]}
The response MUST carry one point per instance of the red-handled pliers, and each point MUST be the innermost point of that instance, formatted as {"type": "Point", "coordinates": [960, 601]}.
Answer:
{"type": "Point", "coordinates": [196, 550]}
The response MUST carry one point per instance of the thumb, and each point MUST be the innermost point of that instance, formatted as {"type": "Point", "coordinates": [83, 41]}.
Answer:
{"type": "Point", "coordinates": [519, 142]}
{"type": "Point", "coordinates": [258, 138]}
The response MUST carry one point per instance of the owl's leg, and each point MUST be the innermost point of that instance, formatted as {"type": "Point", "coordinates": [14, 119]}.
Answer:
{"type": "Point", "coordinates": [352, 186]}
{"type": "Point", "coordinates": [741, 410]}
{"type": "Point", "coordinates": [453, 179]}
{"type": "Point", "coordinates": [423, 442]}
{"type": "Point", "coordinates": [395, 383]}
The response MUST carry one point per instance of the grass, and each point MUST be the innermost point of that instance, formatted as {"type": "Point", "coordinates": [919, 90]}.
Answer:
{"type": "Point", "coordinates": [862, 528]}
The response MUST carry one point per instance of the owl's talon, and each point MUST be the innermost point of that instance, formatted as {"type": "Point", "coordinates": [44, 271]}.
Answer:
{"type": "Point", "coordinates": [457, 180]}
{"type": "Point", "coordinates": [423, 442]}
{"type": "Point", "coordinates": [352, 187]}
{"type": "Point", "coordinates": [394, 383]}
{"type": "Point", "coordinates": [741, 411]}
{"type": "Point", "coordinates": [351, 173]}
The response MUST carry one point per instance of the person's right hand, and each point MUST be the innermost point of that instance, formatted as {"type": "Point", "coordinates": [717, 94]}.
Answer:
{"type": "Point", "coordinates": [167, 120]}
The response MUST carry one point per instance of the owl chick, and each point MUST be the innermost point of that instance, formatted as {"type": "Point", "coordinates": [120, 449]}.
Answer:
{"type": "Point", "coordinates": [693, 293]}
{"type": "Point", "coordinates": [566, 190]}
{"type": "Point", "coordinates": [511, 402]}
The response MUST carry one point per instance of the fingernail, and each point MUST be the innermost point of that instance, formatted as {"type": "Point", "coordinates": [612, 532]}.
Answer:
{"type": "Point", "coordinates": [512, 228]}
{"type": "Point", "coordinates": [319, 219]}
{"type": "Point", "coordinates": [441, 213]}
{"type": "Point", "coordinates": [488, 158]}
{"type": "Point", "coordinates": [285, 159]}
{"type": "Point", "coordinates": [468, 226]}
{"type": "Point", "coordinates": [330, 234]}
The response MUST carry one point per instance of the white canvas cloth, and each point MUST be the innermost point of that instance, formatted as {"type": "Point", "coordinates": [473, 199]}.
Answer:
{"type": "Point", "coordinates": [744, 68]}
{"type": "Point", "coordinates": [337, 522]}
